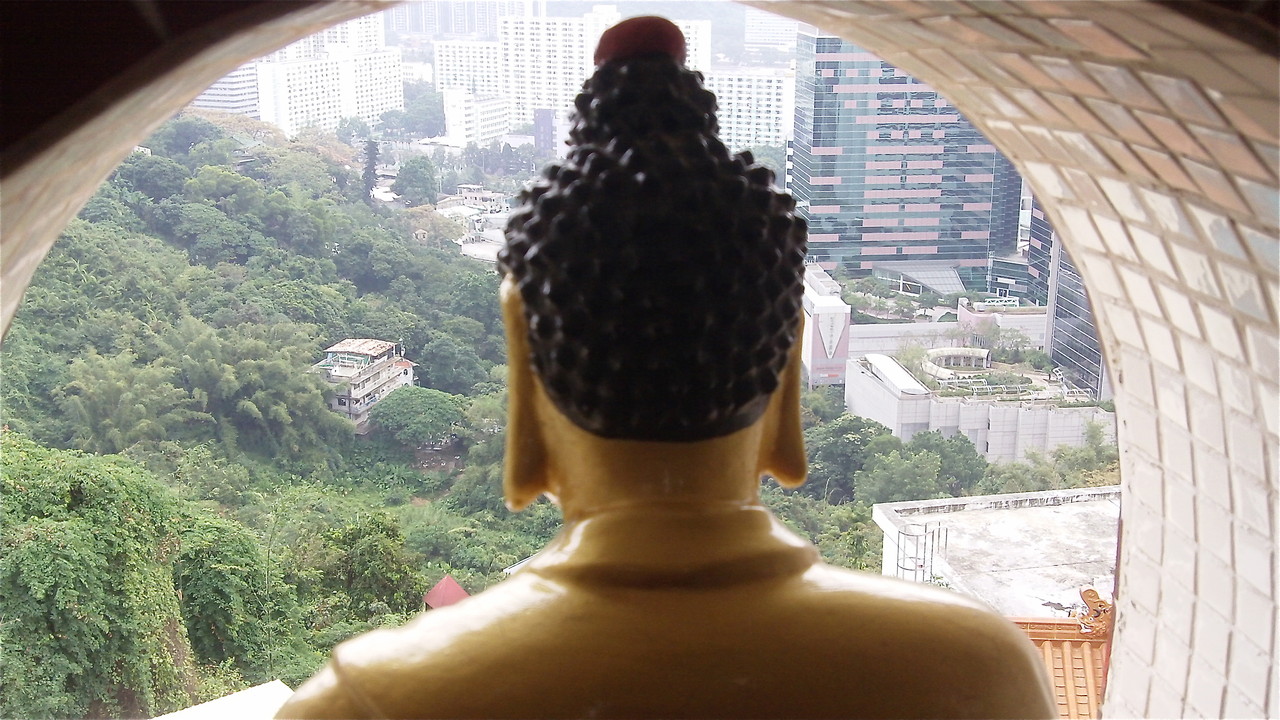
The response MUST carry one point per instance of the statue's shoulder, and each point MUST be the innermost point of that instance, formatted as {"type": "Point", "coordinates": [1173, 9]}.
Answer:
{"type": "Point", "coordinates": [824, 642]}
{"type": "Point", "coordinates": [945, 653]}
{"type": "Point", "coordinates": [409, 670]}
{"type": "Point", "coordinates": [906, 609]}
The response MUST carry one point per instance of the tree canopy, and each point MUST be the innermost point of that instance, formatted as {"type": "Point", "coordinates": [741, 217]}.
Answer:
{"type": "Point", "coordinates": [86, 556]}
{"type": "Point", "coordinates": [416, 182]}
{"type": "Point", "coordinates": [419, 416]}
{"type": "Point", "coordinates": [837, 452]}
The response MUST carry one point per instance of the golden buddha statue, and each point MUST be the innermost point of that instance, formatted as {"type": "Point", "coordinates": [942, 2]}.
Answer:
{"type": "Point", "coordinates": [652, 305]}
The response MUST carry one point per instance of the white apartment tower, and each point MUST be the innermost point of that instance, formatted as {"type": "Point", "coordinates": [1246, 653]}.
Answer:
{"type": "Point", "coordinates": [545, 60]}
{"type": "Point", "coordinates": [364, 34]}
{"type": "Point", "coordinates": [378, 84]}
{"type": "Point", "coordinates": [470, 65]}
{"type": "Point", "coordinates": [443, 19]}
{"type": "Point", "coordinates": [756, 105]}
{"type": "Point", "coordinates": [767, 30]}
{"type": "Point", "coordinates": [469, 118]}
{"type": "Point", "coordinates": [236, 92]}
{"type": "Point", "coordinates": [345, 71]}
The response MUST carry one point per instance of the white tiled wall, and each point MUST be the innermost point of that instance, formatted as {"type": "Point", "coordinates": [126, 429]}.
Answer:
{"type": "Point", "coordinates": [1152, 138]}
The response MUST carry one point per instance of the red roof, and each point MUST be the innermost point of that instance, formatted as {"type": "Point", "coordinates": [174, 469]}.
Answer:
{"type": "Point", "coordinates": [445, 593]}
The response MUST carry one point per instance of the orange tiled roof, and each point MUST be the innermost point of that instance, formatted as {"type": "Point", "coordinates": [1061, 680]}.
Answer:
{"type": "Point", "coordinates": [1076, 661]}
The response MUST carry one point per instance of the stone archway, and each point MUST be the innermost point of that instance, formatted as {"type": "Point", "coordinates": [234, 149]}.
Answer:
{"type": "Point", "coordinates": [1150, 129]}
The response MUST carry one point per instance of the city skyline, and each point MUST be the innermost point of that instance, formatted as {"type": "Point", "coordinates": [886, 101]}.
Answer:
{"type": "Point", "coordinates": [889, 175]}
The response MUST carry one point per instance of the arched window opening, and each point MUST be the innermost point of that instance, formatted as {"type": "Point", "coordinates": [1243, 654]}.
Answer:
{"type": "Point", "coordinates": [177, 318]}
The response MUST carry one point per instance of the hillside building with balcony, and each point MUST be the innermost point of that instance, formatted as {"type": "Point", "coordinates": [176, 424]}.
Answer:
{"type": "Point", "coordinates": [363, 372]}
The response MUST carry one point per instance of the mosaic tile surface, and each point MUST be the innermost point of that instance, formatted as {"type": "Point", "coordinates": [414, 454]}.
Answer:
{"type": "Point", "coordinates": [1151, 136]}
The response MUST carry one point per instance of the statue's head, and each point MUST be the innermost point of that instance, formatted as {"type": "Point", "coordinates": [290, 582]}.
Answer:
{"type": "Point", "coordinates": [660, 276]}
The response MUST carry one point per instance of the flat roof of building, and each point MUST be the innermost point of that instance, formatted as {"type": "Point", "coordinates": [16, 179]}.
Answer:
{"type": "Point", "coordinates": [361, 346]}
{"type": "Point", "coordinates": [892, 372]}
{"type": "Point", "coordinates": [820, 281]}
{"type": "Point", "coordinates": [1024, 554]}
{"type": "Point", "coordinates": [827, 302]}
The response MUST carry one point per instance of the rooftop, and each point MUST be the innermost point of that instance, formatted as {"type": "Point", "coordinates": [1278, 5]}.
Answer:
{"type": "Point", "coordinates": [939, 278]}
{"type": "Point", "coordinates": [891, 371]}
{"type": "Point", "coordinates": [1024, 554]}
{"type": "Point", "coordinates": [361, 346]}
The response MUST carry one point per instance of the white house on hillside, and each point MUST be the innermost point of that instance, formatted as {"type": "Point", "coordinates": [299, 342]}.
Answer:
{"type": "Point", "coordinates": [363, 371]}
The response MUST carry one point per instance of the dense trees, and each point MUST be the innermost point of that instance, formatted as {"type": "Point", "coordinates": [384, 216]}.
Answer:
{"type": "Point", "coordinates": [176, 322]}
{"type": "Point", "coordinates": [178, 137]}
{"type": "Point", "coordinates": [418, 416]}
{"type": "Point", "coordinates": [852, 459]}
{"type": "Point", "coordinates": [449, 364]}
{"type": "Point", "coordinates": [370, 565]}
{"type": "Point", "coordinates": [416, 182]}
{"type": "Point", "coordinates": [115, 403]}
{"type": "Point", "coordinates": [423, 111]}
{"type": "Point", "coordinates": [897, 475]}
{"type": "Point", "coordinates": [352, 129]}
{"type": "Point", "coordinates": [235, 605]}
{"type": "Point", "coordinates": [960, 467]}
{"type": "Point", "coordinates": [86, 587]}
{"type": "Point", "coordinates": [155, 176]}
{"type": "Point", "coordinates": [837, 452]}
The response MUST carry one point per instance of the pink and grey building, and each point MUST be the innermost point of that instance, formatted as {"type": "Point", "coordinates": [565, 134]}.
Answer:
{"type": "Point", "coordinates": [892, 179]}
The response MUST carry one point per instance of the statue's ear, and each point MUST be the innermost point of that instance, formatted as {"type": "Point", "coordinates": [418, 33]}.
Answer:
{"type": "Point", "coordinates": [524, 475]}
{"type": "Point", "coordinates": [782, 445]}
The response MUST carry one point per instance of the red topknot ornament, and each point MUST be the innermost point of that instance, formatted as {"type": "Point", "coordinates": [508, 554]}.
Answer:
{"type": "Point", "coordinates": [641, 36]}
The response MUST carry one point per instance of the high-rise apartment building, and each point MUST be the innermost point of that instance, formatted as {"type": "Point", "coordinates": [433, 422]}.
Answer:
{"type": "Point", "coordinates": [408, 18]}
{"type": "Point", "coordinates": [471, 65]}
{"type": "Point", "coordinates": [478, 19]}
{"type": "Point", "coordinates": [755, 105]}
{"type": "Point", "coordinates": [469, 118]}
{"type": "Point", "coordinates": [345, 71]}
{"type": "Point", "coordinates": [763, 29]}
{"type": "Point", "coordinates": [364, 34]}
{"type": "Point", "coordinates": [545, 60]}
{"type": "Point", "coordinates": [892, 179]}
{"type": "Point", "coordinates": [236, 92]}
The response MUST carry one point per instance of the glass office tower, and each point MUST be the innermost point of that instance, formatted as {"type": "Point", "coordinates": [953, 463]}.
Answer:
{"type": "Point", "coordinates": [1072, 334]}
{"type": "Point", "coordinates": [1040, 253]}
{"type": "Point", "coordinates": [892, 179]}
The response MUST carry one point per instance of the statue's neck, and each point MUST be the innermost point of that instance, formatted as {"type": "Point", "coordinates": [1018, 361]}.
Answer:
{"type": "Point", "coordinates": [658, 545]}
{"type": "Point", "coordinates": [602, 475]}
{"type": "Point", "coordinates": [662, 513]}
